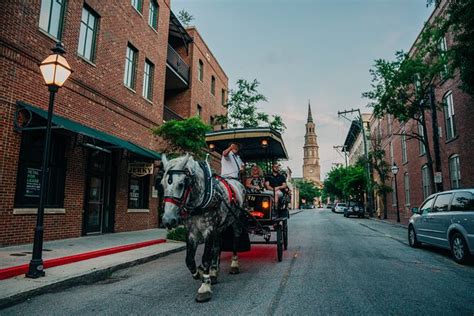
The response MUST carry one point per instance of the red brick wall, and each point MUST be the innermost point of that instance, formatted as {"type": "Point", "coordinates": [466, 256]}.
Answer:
{"type": "Point", "coordinates": [94, 96]}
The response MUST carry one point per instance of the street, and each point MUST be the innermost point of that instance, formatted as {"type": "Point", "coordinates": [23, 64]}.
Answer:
{"type": "Point", "coordinates": [333, 265]}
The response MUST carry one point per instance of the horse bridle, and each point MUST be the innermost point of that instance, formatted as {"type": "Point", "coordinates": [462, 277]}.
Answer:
{"type": "Point", "coordinates": [180, 202]}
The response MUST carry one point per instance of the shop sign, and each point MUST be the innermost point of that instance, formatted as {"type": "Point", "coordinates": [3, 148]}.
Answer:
{"type": "Point", "coordinates": [140, 169]}
{"type": "Point", "coordinates": [33, 184]}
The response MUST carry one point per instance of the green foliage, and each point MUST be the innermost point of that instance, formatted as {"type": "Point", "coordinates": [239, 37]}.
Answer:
{"type": "Point", "coordinates": [184, 136]}
{"type": "Point", "coordinates": [308, 190]}
{"type": "Point", "coordinates": [178, 234]}
{"type": "Point", "coordinates": [346, 183]}
{"type": "Point", "coordinates": [243, 110]}
{"type": "Point", "coordinates": [185, 17]}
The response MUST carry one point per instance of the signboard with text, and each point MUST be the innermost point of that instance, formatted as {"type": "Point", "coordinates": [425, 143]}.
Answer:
{"type": "Point", "coordinates": [140, 169]}
{"type": "Point", "coordinates": [33, 184]}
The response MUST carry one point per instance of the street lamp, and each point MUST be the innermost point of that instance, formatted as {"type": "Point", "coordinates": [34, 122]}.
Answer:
{"type": "Point", "coordinates": [395, 171]}
{"type": "Point", "coordinates": [55, 70]}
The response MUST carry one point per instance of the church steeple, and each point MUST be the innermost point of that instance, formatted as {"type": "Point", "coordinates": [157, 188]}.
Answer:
{"type": "Point", "coordinates": [311, 168]}
{"type": "Point", "coordinates": [310, 117]}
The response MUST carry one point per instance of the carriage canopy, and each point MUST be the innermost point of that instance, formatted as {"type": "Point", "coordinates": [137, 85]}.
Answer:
{"type": "Point", "coordinates": [257, 144]}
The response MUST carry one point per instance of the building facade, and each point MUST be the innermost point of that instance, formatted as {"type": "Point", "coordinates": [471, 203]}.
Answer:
{"type": "Point", "coordinates": [129, 75]}
{"type": "Point", "coordinates": [354, 144]}
{"type": "Point", "coordinates": [311, 167]}
{"type": "Point", "coordinates": [455, 137]}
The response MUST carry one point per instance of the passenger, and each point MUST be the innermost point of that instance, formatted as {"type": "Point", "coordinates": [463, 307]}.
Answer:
{"type": "Point", "coordinates": [276, 182]}
{"type": "Point", "coordinates": [231, 163]}
{"type": "Point", "coordinates": [255, 183]}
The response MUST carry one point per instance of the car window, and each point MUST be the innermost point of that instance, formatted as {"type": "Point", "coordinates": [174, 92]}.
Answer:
{"type": "Point", "coordinates": [462, 201]}
{"type": "Point", "coordinates": [341, 204]}
{"type": "Point", "coordinates": [442, 202]}
{"type": "Point", "coordinates": [426, 207]}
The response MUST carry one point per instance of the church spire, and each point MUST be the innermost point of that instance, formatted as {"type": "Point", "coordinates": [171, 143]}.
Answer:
{"type": "Point", "coordinates": [310, 117]}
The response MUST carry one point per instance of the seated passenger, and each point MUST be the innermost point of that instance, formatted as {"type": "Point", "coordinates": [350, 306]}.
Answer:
{"type": "Point", "coordinates": [255, 183]}
{"type": "Point", "coordinates": [276, 182]}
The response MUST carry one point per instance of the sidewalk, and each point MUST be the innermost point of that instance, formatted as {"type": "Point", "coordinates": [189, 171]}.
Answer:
{"type": "Point", "coordinates": [79, 261]}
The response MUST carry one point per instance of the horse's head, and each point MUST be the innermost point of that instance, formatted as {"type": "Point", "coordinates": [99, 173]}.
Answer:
{"type": "Point", "coordinates": [177, 185]}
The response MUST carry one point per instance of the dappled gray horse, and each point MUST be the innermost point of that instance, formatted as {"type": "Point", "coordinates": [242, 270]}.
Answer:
{"type": "Point", "coordinates": [208, 204]}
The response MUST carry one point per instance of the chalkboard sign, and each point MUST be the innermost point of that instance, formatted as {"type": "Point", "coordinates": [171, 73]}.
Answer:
{"type": "Point", "coordinates": [33, 184]}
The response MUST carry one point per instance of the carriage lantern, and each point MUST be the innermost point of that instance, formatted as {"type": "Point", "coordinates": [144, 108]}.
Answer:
{"type": "Point", "coordinates": [264, 143]}
{"type": "Point", "coordinates": [212, 146]}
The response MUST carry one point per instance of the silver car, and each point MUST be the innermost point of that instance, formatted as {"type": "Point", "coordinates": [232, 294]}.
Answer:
{"type": "Point", "coordinates": [446, 220]}
{"type": "Point", "coordinates": [339, 208]}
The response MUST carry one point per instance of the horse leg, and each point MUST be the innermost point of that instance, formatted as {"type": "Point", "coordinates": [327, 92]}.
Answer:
{"type": "Point", "coordinates": [216, 254]}
{"type": "Point", "coordinates": [234, 264]}
{"type": "Point", "coordinates": [191, 247]}
{"type": "Point", "coordinates": [205, 292]}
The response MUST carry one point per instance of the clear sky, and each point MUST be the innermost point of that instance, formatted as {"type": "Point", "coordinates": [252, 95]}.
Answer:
{"type": "Point", "coordinates": [320, 50]}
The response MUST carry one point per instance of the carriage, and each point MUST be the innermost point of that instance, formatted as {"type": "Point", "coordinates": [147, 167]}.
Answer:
{"type": "Point", "coordinates": [265, 218]}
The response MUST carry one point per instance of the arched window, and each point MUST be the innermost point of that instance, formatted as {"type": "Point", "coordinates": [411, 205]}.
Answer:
{"type": "Point", "coordinates": [425, 180]}
{"type": "Point", "coordinates": [449, 121]}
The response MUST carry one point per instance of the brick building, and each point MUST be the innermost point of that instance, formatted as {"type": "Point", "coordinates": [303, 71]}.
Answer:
{"type": "Point", "coordinates": [134, 66]}
{"type": "Point", "coordinates": [456, 139]}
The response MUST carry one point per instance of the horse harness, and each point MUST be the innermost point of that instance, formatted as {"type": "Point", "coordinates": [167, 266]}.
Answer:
{"type": "Point", "coordinates": [210, 198]}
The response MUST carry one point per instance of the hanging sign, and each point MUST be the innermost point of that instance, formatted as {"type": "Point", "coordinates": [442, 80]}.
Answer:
{"type": "Point", "coordinates": [140, 169]}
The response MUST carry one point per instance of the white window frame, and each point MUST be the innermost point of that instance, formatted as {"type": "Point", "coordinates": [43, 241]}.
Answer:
{"type": "Point", "coordinates": [148, 74]}
{"type": "Point", "coordinates": [454, 172]}
{"type": "Point", "coordinates": [52, 12]}
{"type": "Point", "coordinates": [200, 70]}
{"type": "Point", "coordinates": [422, 134]}
{"type": "Point", "coordinates": [449, 116]}
{"type": "Point", "coordinates": [425, 181]}
{"type": "Point", "coordinates": [404, 148]}
{"type": "Point", "coordinates": [406, 182]}
{"type": "Point", "coordinates": [88, 32]}
{"type": "Point", "coordinates": [137, 5]}
{"type": "Point", "coordinates": [131, 57]}
{"type": "Point", "coordinates": [153, 12]}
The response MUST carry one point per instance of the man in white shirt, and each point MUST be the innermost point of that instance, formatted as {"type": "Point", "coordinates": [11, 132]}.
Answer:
{"type": "Point", "coordinates": [231, 163]}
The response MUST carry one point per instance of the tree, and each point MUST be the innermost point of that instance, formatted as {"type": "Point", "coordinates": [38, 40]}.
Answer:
{"type": "Point", "coordinates": [404, 89]}
{"type": "Point", "coordinates": [243, 111]}
{"type": "Point", "coordinates": [308, 190]}
{"type": "Point", "coordinates": [459, 19]}
{"type": "Point", "coordinates": [185, 17]}
{"type": "Point", "coordinates": [346, 183]}
{"type": "Point", "coordinates": [184, 136]}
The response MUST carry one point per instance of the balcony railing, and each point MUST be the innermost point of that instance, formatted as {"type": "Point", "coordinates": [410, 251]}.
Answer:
{"type": "Point", "coordinates": [169, 114]}
{"type": "Point", "coordinates": [177, 63]}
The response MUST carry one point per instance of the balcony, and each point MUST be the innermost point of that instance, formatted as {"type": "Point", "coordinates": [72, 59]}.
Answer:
{"type": "Point", "coordinates": [169, 114]}
{"type": "Point", "coordinates": [177, 71]}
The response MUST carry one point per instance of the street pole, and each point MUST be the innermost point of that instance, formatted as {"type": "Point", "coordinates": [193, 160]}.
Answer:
{"type": "Point", "coordinates": [55, 70]}
{"type": "Point", "coordinates": [36, 268]}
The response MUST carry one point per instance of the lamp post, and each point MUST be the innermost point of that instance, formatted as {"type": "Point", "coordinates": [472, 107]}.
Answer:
{"type": "Point", "coordinates": [55, 70]}
{"type": "Point", "coordinates": [395, 171]}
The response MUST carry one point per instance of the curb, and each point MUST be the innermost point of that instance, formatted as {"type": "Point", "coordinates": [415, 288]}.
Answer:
{"type": "Point", "coordinates": [388, 223]}
{"type": "Point", "coordinates": [87, 278]}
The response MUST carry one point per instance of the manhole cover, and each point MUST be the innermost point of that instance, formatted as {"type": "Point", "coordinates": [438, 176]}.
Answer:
{"type": "Point", "coordinates": [18, 254]}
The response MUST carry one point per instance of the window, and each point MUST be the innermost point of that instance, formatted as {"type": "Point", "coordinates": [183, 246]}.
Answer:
{"type": "Point", "coordinates": [426, 207]}
{"type": "Point", "coordinates": [130, 67]}
{"type": "Point", "coordinates": [29, 170]}
{"type": "Point", "coordinates": [223, 97]}
{"type": "Point", "coordinates": [425, 178]}
{"type": "Point", "coordinates": [442, 202]}
{"type": "Point", "coordinates": [87, 35]}
{"type": "Point", "coordinates": [449, 116]}
{"type": "Point", "coordinates": [213, 85]}
{"type": "Point", "coordinates": [391, 154]}
{"type": "Point", "coordinates": [406, 182]}
{"type": "Point", "coordinates": [455, 172]}
{"type": "Point", "coordinates": [389, 121]}
{"type": "Point", "coordinates": [404, 148]}
{"type": "Point", "coordinates": [422, 135]}
{"type": "Point", "coordinates": [200, 70]}
{"type": "Point", "coordinates": [199, 110]}
{"type": "Point", "coordinates": [52, 17]}
{"type": "Point", "coordinates": [462, 201]}
{"type": "Point", "coordinates": [153, 15]}
{"type": "Point", "coordinates": [138, 5]}
{"type": "Point", "coordinates": [394, 195]}
{"type": "Point", "coordinates": [138, 192]}
{"type": "Point", "coordinates": [148, 80]}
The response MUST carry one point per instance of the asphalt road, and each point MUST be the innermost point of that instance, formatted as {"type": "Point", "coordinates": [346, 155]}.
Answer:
{"type": "Point", "coordinates": [333, 265]}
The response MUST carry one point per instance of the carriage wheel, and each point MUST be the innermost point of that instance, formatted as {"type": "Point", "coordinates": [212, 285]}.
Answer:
{"type": "Point", "coordinates": [279, 232]}
{"type": "Point", "coordinates": [285, 234]}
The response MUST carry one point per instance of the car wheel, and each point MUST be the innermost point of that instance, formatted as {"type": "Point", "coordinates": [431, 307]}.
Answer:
{"type": "Point", "coordinates": [412, 240]}
{"type": "Point", "coordinates": [459, 248]}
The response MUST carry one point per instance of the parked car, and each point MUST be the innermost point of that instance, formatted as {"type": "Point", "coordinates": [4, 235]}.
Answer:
{"type": "Point", "coordinates": [354, 208]}
{"type": "Point", "coordinates": [339, 208]}
{"type": "Point", "coordinates": [330, 206]}
{"type": "Point", "coordinates": [446, 220]}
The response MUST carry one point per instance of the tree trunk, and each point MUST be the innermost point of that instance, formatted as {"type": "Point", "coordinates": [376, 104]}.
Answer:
{"type": "Point", "coordinates": [434, 124]}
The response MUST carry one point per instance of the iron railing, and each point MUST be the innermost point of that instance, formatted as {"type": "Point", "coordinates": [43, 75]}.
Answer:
{"type": "Point", "coordinates": [177, 63]}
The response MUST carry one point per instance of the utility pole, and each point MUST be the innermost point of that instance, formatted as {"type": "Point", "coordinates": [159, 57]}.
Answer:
{"type": "Point", "coordinates": [343, 147]}
{"type": "Point", "coordinates": [366, 154]}
{"type": "Point", "coordinates": [434, 126]}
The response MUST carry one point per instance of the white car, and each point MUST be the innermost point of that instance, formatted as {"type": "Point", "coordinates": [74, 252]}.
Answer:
{"type": "Point", "coordinates": [339, 208]}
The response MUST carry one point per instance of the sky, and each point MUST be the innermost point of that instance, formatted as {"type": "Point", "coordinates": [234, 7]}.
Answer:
{"type": "Point", "coordinates": [300, 50]}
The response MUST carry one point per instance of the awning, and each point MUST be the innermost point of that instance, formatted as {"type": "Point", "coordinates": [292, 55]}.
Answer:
{"type": "Point", "coordinates": [61, 122]}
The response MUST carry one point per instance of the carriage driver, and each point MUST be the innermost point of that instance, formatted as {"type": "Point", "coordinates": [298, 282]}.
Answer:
{"type": "Point", "coordinates": [231, 163]}
{"type": "Point", "coordinates": [276, 182]}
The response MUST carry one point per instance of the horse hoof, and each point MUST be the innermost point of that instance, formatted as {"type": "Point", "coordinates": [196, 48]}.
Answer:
{"type": "Point", "coordinates": [203, 297]}
{"type": "Point", "coordinates": [213, 280]}
{"type": "Point", "coordinates": [234, 270]}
